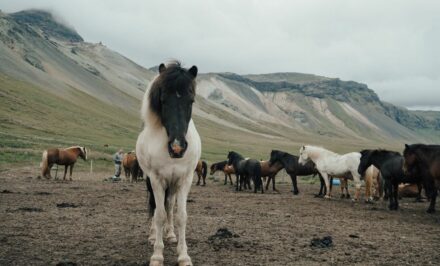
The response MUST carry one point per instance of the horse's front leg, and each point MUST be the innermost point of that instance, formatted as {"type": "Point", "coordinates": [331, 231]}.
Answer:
{"type": "Point", "coordinates": [169, 229]}
{"type": "Point", "coordinates": [273, 184]}
{"type": "Point", "coordinates": [71, 170]}
{"type": "Point", "coordinates": [65, 171]}
{"type": "Point", "coordinates": [237, 180]}
{"type": "Point", "coordinates": [159, 220]}
{"type": "Point", "coordinates": [327, 185]}
{"type": "Point", "coordinates": [268, 182]}
{"type": "Point", "coordinates": [357, 184]}
{"type": "Point", "coordinates": [181, 218]}
{"type": "Point", "coordinates": [396, 195]}
{"type": "Point", "coordinates": [294, 184]}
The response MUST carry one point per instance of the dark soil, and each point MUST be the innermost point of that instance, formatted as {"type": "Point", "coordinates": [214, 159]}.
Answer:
{"type": "Point", "coordinates": [109, 226]}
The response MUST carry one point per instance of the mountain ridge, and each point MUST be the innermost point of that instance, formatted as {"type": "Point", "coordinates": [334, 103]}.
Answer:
{"type": "Point", "coordinates": [251, 113]}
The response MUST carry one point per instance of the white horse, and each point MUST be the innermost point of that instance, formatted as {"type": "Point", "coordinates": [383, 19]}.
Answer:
{"type": "Point", "coordinates": [330, 163]}
{"type": "Point", "coordinates": [168, 150]}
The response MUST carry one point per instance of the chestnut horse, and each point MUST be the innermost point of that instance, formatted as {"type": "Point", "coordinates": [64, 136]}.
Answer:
{"type": "Point", "coordinates": [131, 167]}
{"type": "Point", "coordinates": [270, 170]}
{"type": "Point", "coordinates": [225, 168]}
{"type": "Point", "coordinates": [66, 157]}
{"type": "Point", "coordinates": [201, 170]}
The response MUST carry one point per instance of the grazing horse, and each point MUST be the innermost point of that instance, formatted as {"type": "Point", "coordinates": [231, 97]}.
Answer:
{"type": "Point", "coordinates": [225, 168]}
{"type": "Point", "coordinates": [168, 150]}
{"type": "Point", "coordinates": [66, 157]}
{"type": "Point", "coordinates": [390, 165]}
{"type": "Point", "coordinates": [333, 164]}
{"type": "Point", "coordinates": [270, 170]}
{"type": "Point", "coordinates": [201, 170]}
{"type": "Point", "coordinates": [293, 168]}
{"type": "Point", "coordinates": [246, 169]}
{"type": "Point", "coordinates": [131, 167]}
{"type": "Point", "coordinates": [424, 161]}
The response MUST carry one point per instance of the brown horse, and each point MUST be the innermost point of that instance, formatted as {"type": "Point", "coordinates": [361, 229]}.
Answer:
{"type": "Point", "coordinates": [225, 168]}
{"type": "Point", "coordinates": [131, 167]}
{"type": "Point", "coordinates": [66, 157]}
{"type": "Point", "coordinates": [201, 170]}
{"type": "Point", "coordinates": [270, 171]}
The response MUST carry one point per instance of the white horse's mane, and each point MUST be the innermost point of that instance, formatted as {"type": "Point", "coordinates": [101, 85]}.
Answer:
{"type": "Point", "coordinates": [314, 150]}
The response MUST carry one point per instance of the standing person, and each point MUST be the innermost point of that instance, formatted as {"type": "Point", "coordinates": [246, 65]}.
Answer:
{"type": "Point", "coordinates": [117, 159]}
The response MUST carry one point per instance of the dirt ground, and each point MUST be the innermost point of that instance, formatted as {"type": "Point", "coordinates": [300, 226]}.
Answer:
{"type": "Point", "coordinates": [88, 221]}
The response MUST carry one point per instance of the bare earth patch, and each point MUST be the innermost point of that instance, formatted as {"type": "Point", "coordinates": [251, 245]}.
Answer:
{"type": "Point", "coordinates": [106, 223]}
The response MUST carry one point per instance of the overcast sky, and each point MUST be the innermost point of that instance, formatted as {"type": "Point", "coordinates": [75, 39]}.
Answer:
{"type": "Point", "coordinates": [393, 45]}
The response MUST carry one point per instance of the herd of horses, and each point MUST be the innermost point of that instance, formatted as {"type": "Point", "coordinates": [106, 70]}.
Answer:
{"type": "Point", "coordinates": [168, 152]}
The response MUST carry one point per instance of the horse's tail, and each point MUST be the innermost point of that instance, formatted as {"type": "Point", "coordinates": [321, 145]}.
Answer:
{"type": "Point", "coordinates": [204, 169]}
{"type": "Point", "coordinates": [44, 164]}
{"type": "Point", "coordinates": [151, 199]}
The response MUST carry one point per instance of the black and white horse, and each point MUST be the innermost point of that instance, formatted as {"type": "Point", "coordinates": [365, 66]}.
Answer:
{"type": "Point", "coordinates": [168, 150]}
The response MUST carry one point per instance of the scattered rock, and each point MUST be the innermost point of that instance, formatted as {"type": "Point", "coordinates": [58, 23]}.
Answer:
{"type": "Point", "coordinates": [29, 209]}
{"type": "Point", "coordinates": [324, 242]}
{"type": "Point", "coordinates": [66, 263]}
{"type": "Point", "coordinates": [6, 191]}
{"type": "Point", "coordinates": [190, 200]}
{"type": "Point", "coordinates": [67, 205]}
{"type": "Point", "coordinates": [353, 236]}
{"type": "Point", "coordinates": [223, 233]}
{"type": "Point", "coordinates": [43, 193]}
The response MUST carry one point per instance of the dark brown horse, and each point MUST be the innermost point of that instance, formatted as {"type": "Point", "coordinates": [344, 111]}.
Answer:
{"type": "Point", "coordinates": [66, 157]}
{"type": "Point", "coordinates": [225, 168]}
{"type": "Point", "coordinates": [131, 167]}
{"type": "Point", "coordinates": [201, 170]}
{"type": "Point", "coordinates": [423, 161]}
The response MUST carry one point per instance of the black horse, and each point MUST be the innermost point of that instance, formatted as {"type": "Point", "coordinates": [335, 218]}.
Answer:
{"type": "Point", "coordinates": [246, 169]}
{"type": "Point", "coordinates": [390, 165]}
{"type": "Point", "coordinates": [294, 169]}
{"type": "Point", "coordinates": [424, 161]}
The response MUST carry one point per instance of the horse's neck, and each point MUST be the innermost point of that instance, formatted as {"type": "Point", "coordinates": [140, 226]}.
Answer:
{"type": "Point", "coordinates": [75, 152]}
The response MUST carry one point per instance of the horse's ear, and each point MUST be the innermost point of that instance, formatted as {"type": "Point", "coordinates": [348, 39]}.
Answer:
{"type": "Point", "coordinates": [303, 147]}
{"type": "Point", "coordinates": [162, 68]}
{"type": "Point", "coordinates": [193, 71]}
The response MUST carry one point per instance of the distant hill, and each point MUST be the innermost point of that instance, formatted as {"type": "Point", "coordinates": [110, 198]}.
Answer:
{"type": "Point", "coordinates": [56, 89]}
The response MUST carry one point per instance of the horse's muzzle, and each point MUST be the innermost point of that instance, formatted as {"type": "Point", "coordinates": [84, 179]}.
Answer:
{"type": "Point", "coordinates": [177, 148]}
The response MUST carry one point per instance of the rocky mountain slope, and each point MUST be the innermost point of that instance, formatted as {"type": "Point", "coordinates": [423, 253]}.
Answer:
{"type": "Point", "coordinates": [100, 91]}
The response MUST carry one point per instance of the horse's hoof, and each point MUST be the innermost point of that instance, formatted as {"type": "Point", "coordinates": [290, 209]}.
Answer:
{"type": "Point", "coordinates": [347, 196]}
{"type": "Point", "coordinates": [430, 210]}
{"type": "Point", "coordinates": [172, 239]}
{"type": "Point", "coordinates": [327, 197]}
{"type": "Point", "coordinates": [156, 260]}
{"type": "Point", "coordinates": [184, 261]}
{"type": "Point", "coordinates": [369, 201]}
{"type": "Point", "coordinates": [295, 192]}
{"type": "Point", "coordinates": [342, 196]}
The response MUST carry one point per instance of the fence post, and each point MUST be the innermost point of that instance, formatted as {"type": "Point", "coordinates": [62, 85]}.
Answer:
{"type": "Point", "coordinates": [91, 167]}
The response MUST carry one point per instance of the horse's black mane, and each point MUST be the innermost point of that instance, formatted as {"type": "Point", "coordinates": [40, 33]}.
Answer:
{"type": "Point", "coordinates": [174, 78]}
{"type": "Point", "coordinates": [235, 155]}
{"type": "Point", "coordinates": [220, 165]}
